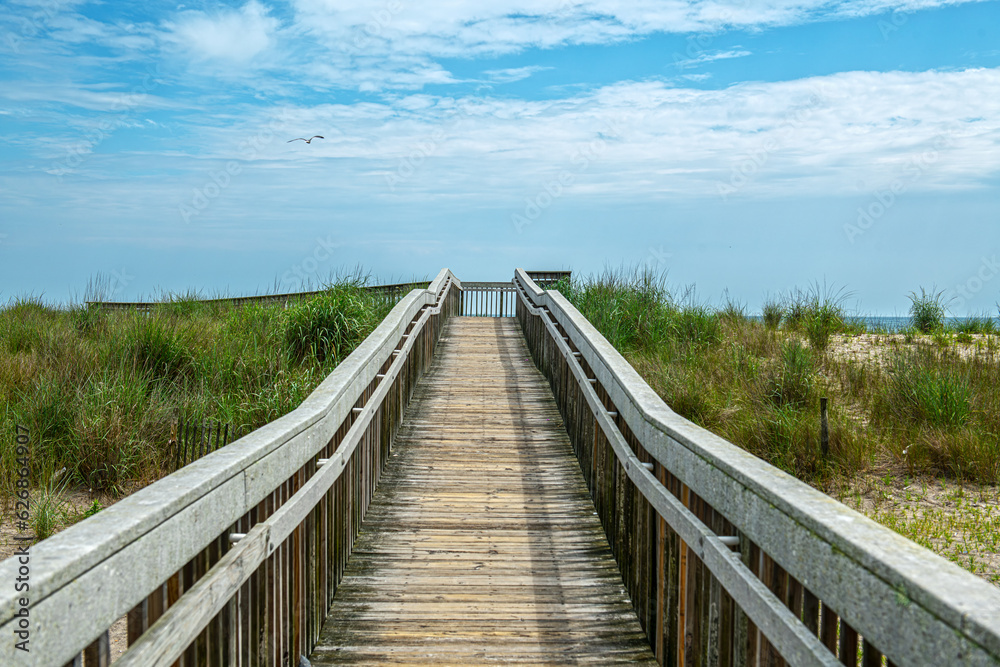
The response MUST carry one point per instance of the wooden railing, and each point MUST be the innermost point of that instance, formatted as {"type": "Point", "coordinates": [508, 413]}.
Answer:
{"type": "Point", "coordinates": [192, 439]}
{"type": "Point", "coordinates": [233, 560]}
{"type": "Point", "coordinates": [393, 292]}
{"type": "Point", "coordinates": [728, 560]}
{"type": "Point", "coordinates": [545, 279]}
{"type": "Point", "coordinates": [488, 299]}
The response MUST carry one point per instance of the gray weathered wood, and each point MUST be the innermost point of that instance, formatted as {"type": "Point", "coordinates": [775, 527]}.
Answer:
{"type": "Point", "coordinates": [88, 576]}
{"type": "Point", "coordinates": [182, 623]}
{"type": "Point", "coordinates": [911, 604]}
{"type": "Point", "coordinates": [792, 638]}
{"type": "Point", "coordinates": [824, 429]}
{"type": "Point", "coordinates": [482, 545]}
{"type": "Point", "coordinates": [167, 639]}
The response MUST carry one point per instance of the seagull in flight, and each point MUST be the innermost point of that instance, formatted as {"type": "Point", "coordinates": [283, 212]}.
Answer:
{"type": "Point", "coordinates": [309, 140]}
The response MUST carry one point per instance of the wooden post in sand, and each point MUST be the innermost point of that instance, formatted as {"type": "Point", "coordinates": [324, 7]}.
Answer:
{"type": "Point", "coordinates": [824, 429]}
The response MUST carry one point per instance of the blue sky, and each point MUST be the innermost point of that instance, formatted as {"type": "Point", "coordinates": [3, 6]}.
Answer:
{"type": "Point", "coordinates": [748, 146]}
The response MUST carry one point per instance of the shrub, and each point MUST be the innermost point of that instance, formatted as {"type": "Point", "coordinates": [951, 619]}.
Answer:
{"type": "Point", "coordinates": [927, 392]}
{"type": "Point", "coordinates": [795, 309]}
{"type": "Point", "coordinates": [632, 309]}
{"type": "Point", "coordinates": [820, 324]}
{"type": "Point", "coordinates": [966, 454]}
{"type": "Point", "coordinates": [564, 286]}
{"type": "Point", "coordinates": [784, 437]}
{"type": "Point", "coordinates": [733, 311]}
{"type": "Point", "coordinates": [326, 327]}
{"type": "Point", "coordinates": [97, 387]}
{"type": "Point", "coordinates": [927, 310]}
{"type": "Point", "coordinates": [772, 312]}
{"type": "Point", "coordinates": [182, 307]}
{"type": "Point", "coordinates": [23, 322]}
{"type": "Point", "coordinates": [22, 335]}
{"type": "Point", "coordinates": [822, 315]}
{"type": "Point", "coordinates": [123, 429]}
{"type": "Point", "coordinates": [696, 325]}
{"type": "Point", "coordinates": [49, 411]}
{"type": "Point", "coordinates": [49, 505]}
{"type": "Point", "coordinates": [154, 346]}
{"type": "Point", "coordinates": [976, 324]}
{"type": "Point", "coordinates": [88, 319]}
{"type": "Point", "coordinates": [685, 393]}
{"type": "Point", "coordinates": [790, 384]}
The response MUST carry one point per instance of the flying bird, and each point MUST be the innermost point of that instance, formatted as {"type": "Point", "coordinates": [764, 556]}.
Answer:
{"type": "Point", "coordinates": [309, 140]}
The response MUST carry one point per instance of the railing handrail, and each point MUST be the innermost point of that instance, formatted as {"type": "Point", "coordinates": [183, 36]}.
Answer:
{"type": "Point", "coordinates": [491, 285]}
{"type": "Point", "coordinates": [165, 641]}
{"type": "Point", "coordinates": [254, 298]}
{"type": "Point", "coordinates": [910, 603]}
{"type": "Point", "coordinates": [143, 539]}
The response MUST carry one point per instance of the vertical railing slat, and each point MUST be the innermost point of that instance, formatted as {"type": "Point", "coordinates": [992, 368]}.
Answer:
{"type": "Point", "coordinates": [275, 616]}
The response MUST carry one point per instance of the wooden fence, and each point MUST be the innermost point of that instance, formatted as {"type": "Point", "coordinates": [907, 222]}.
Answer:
{"type": "Point", "coordinates": [488, 299]}
{"type": "Point", "coordinates": [392, 292]}
{"type": "Point", "coordinates": [234, 559]}
{"type": "Point", "coordinates": [193, 439]}
{"type": "Point", "coordinates": [545, 279]}
{"type": "Point", "coordinates": [729, 561]}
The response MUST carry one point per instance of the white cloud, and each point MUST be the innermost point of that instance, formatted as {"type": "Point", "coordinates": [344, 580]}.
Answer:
{"type": "Point", "coordinates": [463, 28]}
{"type": "Point", "coordinates": [711, 57]}
{"type": "Point", "coordinates": [105, 98]}
{"type": "Point", "coordinates": [818, 136]}
{"type": "Point", "coordinates": [397, 40]}
{"type": "Point", "coordinates": [374, 45]}
{"type": "Point", "coordinates": [227, 35]}
{"type": "Point", "coordinates": [513, 74]}
{"type": "Point", "coordinates": [78, 29]}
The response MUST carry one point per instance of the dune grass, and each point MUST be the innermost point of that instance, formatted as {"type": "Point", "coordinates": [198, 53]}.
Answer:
{"type": "Point", "coordinates": [927, 310]}
{"type": "Point", "coordinates": [927, 408]}
{"type": "Point", "coordinates": [98, 388]}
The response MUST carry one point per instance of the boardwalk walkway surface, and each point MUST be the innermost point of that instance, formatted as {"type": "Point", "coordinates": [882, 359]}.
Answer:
{"type": "Point", "coordinates": [481, 544]}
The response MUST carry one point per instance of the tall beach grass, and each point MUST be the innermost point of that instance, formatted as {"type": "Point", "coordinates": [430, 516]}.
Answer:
{"type": "Point", "coordinates": [98, 388]}
{"type": "Point", "coordinates": [757, 381]}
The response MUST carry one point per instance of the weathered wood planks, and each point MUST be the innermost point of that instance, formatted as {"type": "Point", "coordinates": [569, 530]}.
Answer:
{"type": "Point", "coordinates": [183, 530]}
{"type": "Point", "coordinates": [481, 544]}
{"type": "Point", "coordinates": [799, 552]}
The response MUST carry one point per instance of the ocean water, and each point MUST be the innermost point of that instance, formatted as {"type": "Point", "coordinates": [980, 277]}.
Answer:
{"type": "Point", "coordinates": [897, 323]}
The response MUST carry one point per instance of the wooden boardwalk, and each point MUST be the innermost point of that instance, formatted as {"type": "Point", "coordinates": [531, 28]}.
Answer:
{"type": "Point", "coordinates": [481, 544]}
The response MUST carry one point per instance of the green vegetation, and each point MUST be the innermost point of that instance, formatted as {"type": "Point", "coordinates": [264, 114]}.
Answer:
{"type": "Point", "coordinates": [903, 405]}
{"type": "Point", "coordinates": [327, 327]}
{"type": "Point", "coordinates": [98, 388]}
{"type": "Point", "coordinates": [924, 388]}
{"type": "Point", "coordinates": [959, 524]}
{"type": "Point", "coordinates": [921, 404]}
{"type": "Point", "coordinates": [982, 325]}
{"type": "Point", "coordinates": [773, 311]}
{"type": "Point", "coordinates": [927, 310]}
{"type": "Point", "coordinates": [790, 383]}
{"type": "Point", "coordinates": [49, 506]}
{"type": "Point", "coordinates": [818, 313]}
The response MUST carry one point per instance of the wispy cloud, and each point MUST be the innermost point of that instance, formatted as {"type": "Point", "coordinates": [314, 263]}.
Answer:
{"type": "Point", "coordinates": [378, 45]}
{"type": "Point", "coordinates": [105, 97]}
{"type": "Point", "coordinates": [229, 35]}
{"type": "Point", "coordinates": [501, 26]}
{"type": "Point", "coordinates": [513, 74]}
{"type": "Point", "coordinates": [813, 136]}
{"type": "Point", "coordinates": [398, 42]}
{"type": "Point", "coordinates": [712, 57]}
